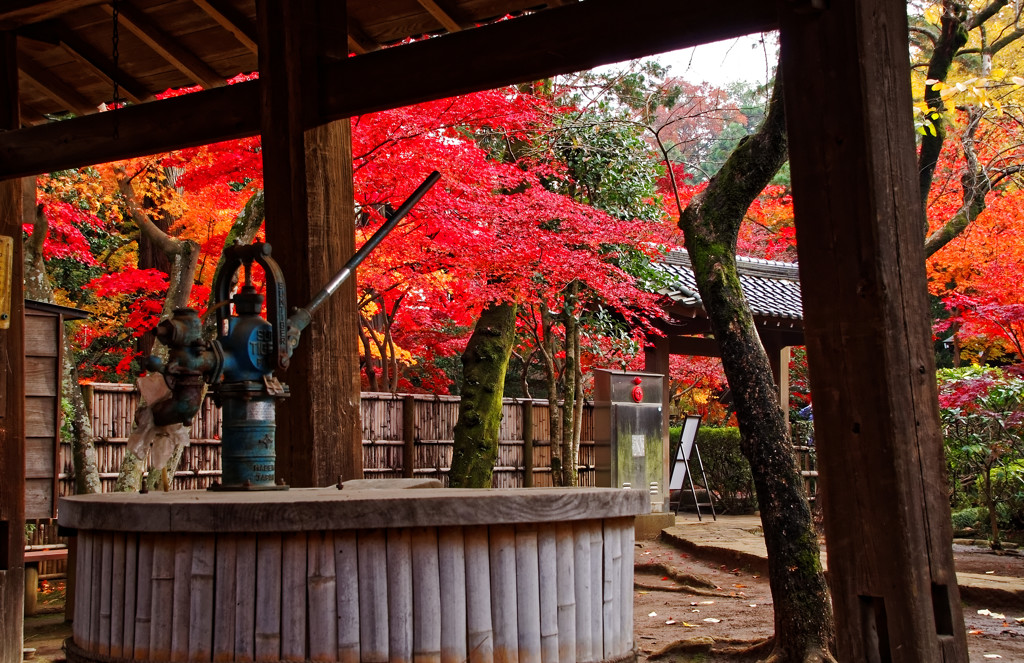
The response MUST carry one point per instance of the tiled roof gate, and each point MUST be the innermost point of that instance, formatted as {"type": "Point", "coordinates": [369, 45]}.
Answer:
{"type": "Point", "coordinates": [772, 287]}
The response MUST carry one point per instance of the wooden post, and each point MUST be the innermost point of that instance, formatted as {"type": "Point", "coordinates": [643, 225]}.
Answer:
{"type": "Point", "coordinates": [311, 226]}
{"type": "Point", "coordinates": [12, 388]}
{"type": "Point", "coordinates": [778, 357]}
{"type": "Point", "coordinates": [860, 232]}
{"type": "Point", "coordinates": [527, 406]}
{"type": "Point", "coordinates": [409, 437]}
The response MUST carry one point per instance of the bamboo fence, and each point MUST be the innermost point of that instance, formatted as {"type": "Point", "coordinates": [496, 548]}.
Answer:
{"type": "Point", "coordinates": [395, 427]}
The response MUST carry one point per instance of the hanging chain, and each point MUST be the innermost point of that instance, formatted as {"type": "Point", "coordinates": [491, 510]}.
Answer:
{"type": "Point", "coordinates": [115, 55]}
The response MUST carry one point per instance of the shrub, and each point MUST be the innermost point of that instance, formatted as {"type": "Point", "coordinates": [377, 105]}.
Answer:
{"type": "Point", "coordinates": [976, 518]}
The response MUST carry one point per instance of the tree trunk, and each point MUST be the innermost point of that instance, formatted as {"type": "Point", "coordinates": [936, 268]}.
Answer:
{"type": "Point", "coordinates": [804, 627]}
{"type": "Point", "coordinates": [183, 256]}
{"type": "Point", "coordinates": [483, 384]}
{"type": "Point", "coordinates": [548, 352]}
{"type": "Point", "coordinates": [990, 504]}
{"type": "Point", "coordinates": [570, 456]}
{"type": "Point", "coordinates": [38, 287]}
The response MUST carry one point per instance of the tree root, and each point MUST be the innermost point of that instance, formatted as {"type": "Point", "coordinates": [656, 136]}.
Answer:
{"type": "Point", "coordinates": [701, 644]}
{"type": "Point", "coordinates": [812, 656]}
{"type": "Point", "coordinates": [676, 575]}
{"type": "Point", "coordinates": [696, 591]}
{"type": "Point", "coordinates": [746, 648]}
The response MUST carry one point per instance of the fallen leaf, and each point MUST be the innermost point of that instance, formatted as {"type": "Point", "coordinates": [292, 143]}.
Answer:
{"type": "Point", "coordinates": [643, 592]}
{"type": "Point", "coordinates": [990, 573]}
{"type": "Point", "coordinates": [739, 586]}
{"type": "Point", "coordinates": [976, 632]}
{"type": "Point", "coordinates": [712, 620]}
{"type": "Point", "coordinates": [670, 622]}
{"type": "Point", "coordinates": [996, 615]}
{"type": "Point", "coordinates": [991, 656]}
{"type": "Point", "coordinates": [652, 614]}
{"type": "Point", "coordinates": [704, 603]}
{"type": "Point", "coordinates": [984, 611]}
{"type": "Point", "coordinates": [664, 577]}
{"type": "Point", "coordinates": [687, 624]}
{"type": "Point", "coordinates": [753, 605]}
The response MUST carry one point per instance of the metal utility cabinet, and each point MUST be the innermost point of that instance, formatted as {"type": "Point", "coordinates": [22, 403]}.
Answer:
{"type": "Point", "coordinates": [630, 447]}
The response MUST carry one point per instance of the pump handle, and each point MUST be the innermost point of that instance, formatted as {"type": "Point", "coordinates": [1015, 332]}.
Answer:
{"type": "Point", "coordinates": [300, 319]}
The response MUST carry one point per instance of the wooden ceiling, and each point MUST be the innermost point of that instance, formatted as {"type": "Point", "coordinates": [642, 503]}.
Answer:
{"type": "Point", "coordinates": [66, 63]}
{"type": "Point", "coordinates": [65, 49]}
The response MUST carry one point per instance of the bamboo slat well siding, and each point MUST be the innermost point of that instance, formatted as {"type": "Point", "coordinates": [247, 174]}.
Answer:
{"type": "Point", "coordinates": [384, 439]}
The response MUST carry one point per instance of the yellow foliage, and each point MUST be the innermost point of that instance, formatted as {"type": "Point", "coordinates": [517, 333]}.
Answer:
{"type": "Point", "coordinates": [401, 355]}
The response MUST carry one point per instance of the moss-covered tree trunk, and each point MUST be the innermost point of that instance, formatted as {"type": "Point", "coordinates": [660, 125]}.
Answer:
{"type": "Point", "coordinates": [804, 627]}
{"type": "Point", "coordinates": [483, 384]}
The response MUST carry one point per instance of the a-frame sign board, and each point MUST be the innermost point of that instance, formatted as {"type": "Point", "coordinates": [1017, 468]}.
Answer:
{"type": "Point", "coordinates": [681, 468]}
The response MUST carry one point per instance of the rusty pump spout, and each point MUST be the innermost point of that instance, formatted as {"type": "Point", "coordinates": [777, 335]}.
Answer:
{"type": "Point", "coordinates": [239, 364]}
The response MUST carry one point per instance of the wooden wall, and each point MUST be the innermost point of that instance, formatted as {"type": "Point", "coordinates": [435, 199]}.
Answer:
{"type": "Point", "coordinates": [42, 411]}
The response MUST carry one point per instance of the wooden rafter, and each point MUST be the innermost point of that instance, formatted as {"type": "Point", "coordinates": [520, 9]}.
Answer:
{"type": "Point", "coordinates": [90, 57]}
{"type": "Point", "coordinates": [30, 116]}
{"type": "Point", "coordinates": [358, 41]}
{"type": "Point", "coordinates": [441, 15]}
{"type": "Point", "coordinates": [429, 69]}
{"type": "Point", "coordinates": [183, 60]}
{"type": "Point", "coordinates": [15, 13]}
{"type": "Point", "coordinates": [231, 20]}
{"type": "Point", "coordinates": [54, 88]}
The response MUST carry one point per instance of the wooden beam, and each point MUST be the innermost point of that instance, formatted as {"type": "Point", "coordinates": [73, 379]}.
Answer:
{"type": "Point", "coordinates": [446, 21]}
{"type": "Point", "coordinates": [16, 13]}
{"type": "Point", "coordinates": [693, 346]}
{"type": "Point", "coordinates": [55, 88]}
{"type": "Point", "coordinates": [12, 386]}
{"type": "Point", "coordinates": [548, 43]}
{"type": "Point", "coordinates": [310, 211]}
{"type": "Point", "coordinates": [166, 46]}
{"type": "Point", "coordinates": [231, 20]}
{"type": "Point", "coordinates": [867, 321]}
{"type": "Point", "coordinates": [227, 112]}
{"type": "Point", "coordinates": [430, 69]}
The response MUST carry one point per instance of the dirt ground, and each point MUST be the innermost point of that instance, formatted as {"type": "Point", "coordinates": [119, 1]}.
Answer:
{"type": "Point", "coordinates": [730, 605]}
{"type": "Point", "coordinates": [737, 613]}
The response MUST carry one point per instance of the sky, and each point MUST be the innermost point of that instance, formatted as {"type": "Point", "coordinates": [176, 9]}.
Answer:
{"type": "Point", "coordinates": [743, 59]}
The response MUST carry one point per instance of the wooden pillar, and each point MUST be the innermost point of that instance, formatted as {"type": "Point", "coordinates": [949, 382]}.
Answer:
{"type": "Point", "coordinates": [409, 437]}
{"type": "Point", "coordinates": [527, 406]}
{"type": "Point", "coordinates": [778, 357]}
{"type": "Point", "coordinates": [12, 388]}
{"type": "Point", "coordinates": [860, 233]}
{"type": "Point", "coordinates": [311, 227]}
{"type": "Point", "coordinates": [656, 360]}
